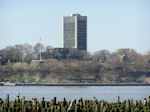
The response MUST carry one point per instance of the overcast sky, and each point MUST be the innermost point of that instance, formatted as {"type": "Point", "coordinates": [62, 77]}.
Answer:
{"type": "Point", "coordinates": [112, 24]}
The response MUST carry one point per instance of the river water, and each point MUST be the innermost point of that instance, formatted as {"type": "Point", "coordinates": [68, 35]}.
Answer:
{"type": "Point", "coordinates": [108, 93]}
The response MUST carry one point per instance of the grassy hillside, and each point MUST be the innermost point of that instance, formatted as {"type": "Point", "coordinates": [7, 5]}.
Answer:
{"type": "Point", "coordinates": [74, 71]}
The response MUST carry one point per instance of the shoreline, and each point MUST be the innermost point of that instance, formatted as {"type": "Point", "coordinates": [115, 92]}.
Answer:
{"type": "Point", "coordinates": [73, 84]}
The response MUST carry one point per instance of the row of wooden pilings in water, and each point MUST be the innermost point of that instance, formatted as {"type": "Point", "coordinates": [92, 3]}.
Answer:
{"type": "Point", "coordinates": [80, 105]}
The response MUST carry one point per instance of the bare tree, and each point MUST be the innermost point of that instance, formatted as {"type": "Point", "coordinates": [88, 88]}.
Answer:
{"type": "Point", "coordinates": [48, 47]}
{"type": "Point", "coordinates": [37, 48]}
{"type": "Point", "coordinates": [133, 56]}
{"type": "Point", "coordinates": [101, 55]}
{"type": "Point", "coordinates": [27, 52]}
{"type": "Point", "coordinates": [19, 49]}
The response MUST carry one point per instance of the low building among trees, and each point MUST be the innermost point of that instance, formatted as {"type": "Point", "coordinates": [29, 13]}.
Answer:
{"type": "Point", "coordinates": [63, 53]}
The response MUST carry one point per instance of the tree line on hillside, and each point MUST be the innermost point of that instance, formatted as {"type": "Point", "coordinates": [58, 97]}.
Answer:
{"type": "Point", "coordinates": [21, 53]}
{"type": "Point", "coordinates": [26, 52]}
{"type": "Point", "coordinates": [124, 65]}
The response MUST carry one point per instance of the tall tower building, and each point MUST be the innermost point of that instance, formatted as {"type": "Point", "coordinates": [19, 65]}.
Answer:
{"type": "Point", "coordinates": [75, 32]}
